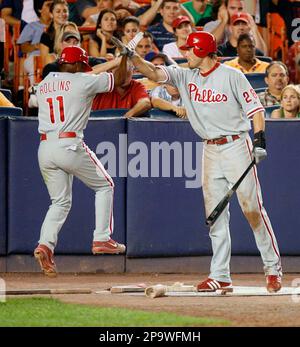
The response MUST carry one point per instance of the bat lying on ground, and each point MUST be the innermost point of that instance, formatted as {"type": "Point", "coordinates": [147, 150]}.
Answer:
{"type": "Point", "coordinates": [130, 288]}
{"type": "Point", "coordinates": [47, 291]}
{"type": "Point", "coordinates": [160, 290]}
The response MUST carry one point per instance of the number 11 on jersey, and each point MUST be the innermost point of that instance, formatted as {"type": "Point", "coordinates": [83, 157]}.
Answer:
{"type": "Point", "coordinates": [60, 100]}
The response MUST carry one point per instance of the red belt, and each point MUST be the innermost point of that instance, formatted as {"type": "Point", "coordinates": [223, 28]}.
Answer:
{"type": "Point", "coordinates": [64, 135]}
{"type": "Point", "coordinates": [222, 140]}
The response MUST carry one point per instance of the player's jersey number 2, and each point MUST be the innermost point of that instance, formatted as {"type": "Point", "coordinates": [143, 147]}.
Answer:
{"type": "Point", "coordinates": [249, 95]}
{"type": "Point", "coordinates": [60, 100]}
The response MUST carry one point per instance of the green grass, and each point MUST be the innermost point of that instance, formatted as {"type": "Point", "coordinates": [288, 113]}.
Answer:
{"type": "Point", "coordinates": [47, 312]}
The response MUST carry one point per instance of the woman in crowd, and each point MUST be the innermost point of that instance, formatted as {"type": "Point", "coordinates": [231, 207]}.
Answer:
{"type": "Point", "coordinates": [60, 13]}
{"type": "Point", "coordinates": [130, 27]}
{"type": "Point", "coordinates": [100, 44]}
{"type": "Point", "coordinates": [58, 47]}
{"type": "Point", "coordinates": [182, 28]}
{"type": "Point", "coordinates": [101, 5]}
{"type": "Point", "coordinates": [290, 103]}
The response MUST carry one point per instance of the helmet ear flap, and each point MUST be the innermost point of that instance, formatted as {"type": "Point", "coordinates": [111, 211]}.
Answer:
{"type": "Point", "coordinates": [197, 52]}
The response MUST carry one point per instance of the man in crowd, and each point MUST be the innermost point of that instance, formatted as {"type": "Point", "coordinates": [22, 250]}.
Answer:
{"type": "Point", "coordinates": [277, 77]}
{"type": "Point", "coordinates": [239, 24]}
{"type": "Point", "coordinates": [246, 60]}
{"type": "Point", "coordinates": [145, 45]}
{"type": "Point", "coordinates": [221, 27]}
{"type": "Point", "coordinates": [163, 32]}
{"type": "Point", "coordinates": [131, 95]}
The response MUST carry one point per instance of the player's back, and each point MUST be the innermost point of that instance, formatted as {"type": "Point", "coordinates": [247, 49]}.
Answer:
{"type": "Point", "coordinates": [65, 101]}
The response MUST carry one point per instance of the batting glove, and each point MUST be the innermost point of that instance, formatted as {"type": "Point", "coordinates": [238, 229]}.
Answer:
{"type": "Point", "coordinates": [134, 42]}
{"type": "Point", "coordinates": [124, 50]}
{"type": "Point", "coordinates": [259, 147]}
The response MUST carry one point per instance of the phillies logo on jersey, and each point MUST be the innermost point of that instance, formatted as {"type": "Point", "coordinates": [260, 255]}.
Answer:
{"type": "Point", "coordinates": [205, 95]}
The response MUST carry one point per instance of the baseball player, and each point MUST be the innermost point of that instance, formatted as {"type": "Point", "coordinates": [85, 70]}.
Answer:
{"type": "Point", "coordinates": [65, 100]}
{"type": "Point", "coordinates": [220, 102]}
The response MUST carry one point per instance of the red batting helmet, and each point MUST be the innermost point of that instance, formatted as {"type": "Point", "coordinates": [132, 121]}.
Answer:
{"type": "Point", "coordinates": [202, 42]}
{"type": "Point", "coordinates": [74, 54]}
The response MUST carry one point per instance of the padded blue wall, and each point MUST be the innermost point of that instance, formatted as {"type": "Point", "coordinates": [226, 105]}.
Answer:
{"type": "Point", "coordinates": [3, 183]}
{"type": "Point", "coordinates": [155, 216]}
{"type": "Point", "coordinates": [164, 218]}
{"type": "Point", "coordinates": [29, 200]}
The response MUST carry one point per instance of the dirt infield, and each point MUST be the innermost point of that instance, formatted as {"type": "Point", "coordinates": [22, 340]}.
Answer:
{"type": "Point", "coordinates": [240, 311]}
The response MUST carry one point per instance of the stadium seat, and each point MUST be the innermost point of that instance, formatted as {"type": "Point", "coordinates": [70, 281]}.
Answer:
{"type": "Point", "coordinates": [11, 111]}
{"type": "Point", "coordinates": [180, 60]}
{"type": "Point", "coordinates": [7, 49]}
{"type": "Point", "coordinates": [257, 80]}
{"type": "Point", "coordinates": [112, 112]}
{"type": "Point", "coordinates": [155, 112]}
{"type": "Point", "coordinates": [262, 58]}
{"type": "Point", "coordinates": [38, 70]}
{"type": "Point", "coordinates": [277, 36]}
{"type": "Point", "coordinates": [18, 60]}
{"type": "Point", "coordinates": [223, 59]}
{"type": "Point", "coordinates": [7, 93]}
{"type": "Point", "coordinates": [270, 109]}
{"type": "Point", "coordinates": [260, 90]}
{"type": "Point", "coordinates": [137, 76]}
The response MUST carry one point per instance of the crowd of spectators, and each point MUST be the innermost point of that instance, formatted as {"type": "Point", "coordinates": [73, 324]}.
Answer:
{"type": "Point", "coordinates": [156, 29]}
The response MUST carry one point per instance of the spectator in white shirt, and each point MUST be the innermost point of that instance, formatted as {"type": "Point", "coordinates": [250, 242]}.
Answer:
{"type": "Point", "coordinates": [182, 28]}
{"type": "Point", "coordinates": [30, 38]}
{"type": "Point", "coordinates": [17, 11]}
{"type": "Point", "coordinates": [167, 98]}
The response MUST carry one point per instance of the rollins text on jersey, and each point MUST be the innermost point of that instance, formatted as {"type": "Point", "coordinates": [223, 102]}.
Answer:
{"type": "Point", "coordinates": [55, 86]}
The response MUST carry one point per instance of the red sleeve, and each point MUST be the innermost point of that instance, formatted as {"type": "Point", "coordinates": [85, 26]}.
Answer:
{"type": "Point", "coordinates": [139, 91]}
{"type": "Point", "coordinates": [96, 102]}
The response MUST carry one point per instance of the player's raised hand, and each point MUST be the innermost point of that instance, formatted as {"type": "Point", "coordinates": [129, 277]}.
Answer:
{"type": "Point", "coordinates": [134, 42]}
{"type": "Point", "coordinates": [124, 50]}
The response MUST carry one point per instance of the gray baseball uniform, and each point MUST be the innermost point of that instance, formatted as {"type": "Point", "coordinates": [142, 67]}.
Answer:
{"type": "Point", "coordinates": [220, 104]}
{"type": "Point", "coordinates": [65, 101]}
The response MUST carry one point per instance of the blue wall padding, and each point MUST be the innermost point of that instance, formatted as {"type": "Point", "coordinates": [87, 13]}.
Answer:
{"type": "Point", "coordinates": [156, 216]}
{"type": "Point", "coordinates": [163, 217]}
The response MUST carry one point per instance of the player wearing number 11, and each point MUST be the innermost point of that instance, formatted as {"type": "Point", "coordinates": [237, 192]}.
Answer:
{"type": "Point", "coordinates": [65, 100]}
